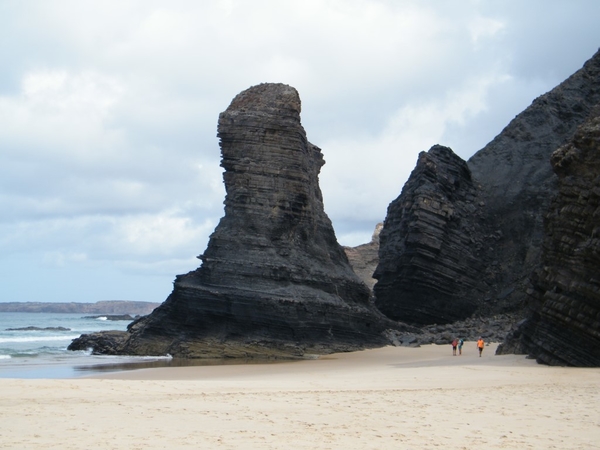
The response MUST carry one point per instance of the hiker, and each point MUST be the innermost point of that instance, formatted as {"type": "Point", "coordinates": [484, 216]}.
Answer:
{"type": "Point", "coordinates": [461, 341]}
{"type": "Point", "coordinates": [480, 345]}
{"type": "Point", "coordinates": [454, 344]}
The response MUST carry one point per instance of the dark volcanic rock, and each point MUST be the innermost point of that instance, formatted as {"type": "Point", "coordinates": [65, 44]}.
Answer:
{"type": "Point", "coordinates": [564, 328]}
{"type": "Point", "coordinates": [102, 343]}
{"type": "Point", "coordinates": [364, 258]}
{"type": "Point", "coordinates": [426, 276]}
{"type": "Point", "coordinates": [273, 282]}
{"type": "Point", "coordinates": [517, 181]}
{"type": "Point", "coordinates": [428, 265]}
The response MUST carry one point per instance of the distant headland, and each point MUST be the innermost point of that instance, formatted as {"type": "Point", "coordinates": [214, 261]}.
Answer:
{"type": "Point", "coordinates": [102, 307]}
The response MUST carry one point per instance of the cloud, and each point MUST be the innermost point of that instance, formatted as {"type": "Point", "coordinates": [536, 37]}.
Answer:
{"type": "Point", "coordinates": [109, 160]}
{"type": "Point", "coordinates": [413, 128]}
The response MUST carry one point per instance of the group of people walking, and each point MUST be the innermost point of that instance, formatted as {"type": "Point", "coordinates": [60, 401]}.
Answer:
{"type": "Point", "coordinates": [458, 344]}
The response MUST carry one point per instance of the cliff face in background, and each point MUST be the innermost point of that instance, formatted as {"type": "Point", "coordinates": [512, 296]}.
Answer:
{"type": "Point", "coordinates": [564, 328]}
{"type": "Point", "coordinates": [364, 258]}
{"type": "Point", "coordinates": [429, 266]}
{"type": "Point", "coordinates": [273, 282]}
{"type": "Point", "coordinates": [442, 263]}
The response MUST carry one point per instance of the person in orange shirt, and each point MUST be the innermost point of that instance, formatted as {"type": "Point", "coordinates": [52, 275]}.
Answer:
{"type": "Point", "coordinates": [480, 345]}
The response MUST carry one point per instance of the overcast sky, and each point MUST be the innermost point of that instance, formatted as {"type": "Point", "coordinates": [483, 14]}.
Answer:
{"type": "Point", "coordinates": [110, 182]}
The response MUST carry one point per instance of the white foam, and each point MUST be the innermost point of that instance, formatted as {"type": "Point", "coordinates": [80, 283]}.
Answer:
{"type": "Point", "coordinates": [4, 356]}
{"type": "Point", "coordinates": [102, 318]}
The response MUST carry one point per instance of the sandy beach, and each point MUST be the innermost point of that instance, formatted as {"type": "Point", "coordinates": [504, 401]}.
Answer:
{"type": "Point", "coordinates": [388, 398]}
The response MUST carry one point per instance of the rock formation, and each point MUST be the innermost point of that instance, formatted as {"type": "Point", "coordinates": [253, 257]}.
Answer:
{"type": "Point", "coordinates": [427, 276]}
{"type": "Point", "coordinates": [564, 328]}
{"type": "Point", "coordinates": [517, 182]}
{"type": "Point", "coordinates": [428, 264]}
{"type": "Point", "coordinates": [365, 257]}
{"type": "Point", "coordinates": [273, 282]}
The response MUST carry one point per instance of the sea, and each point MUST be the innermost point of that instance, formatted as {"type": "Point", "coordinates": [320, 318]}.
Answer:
{"type": "Point", "coordinates": [34, 345]}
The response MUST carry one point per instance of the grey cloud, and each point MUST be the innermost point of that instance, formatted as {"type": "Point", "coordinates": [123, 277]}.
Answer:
{"type": "Point", "coordinates": [116, 170]}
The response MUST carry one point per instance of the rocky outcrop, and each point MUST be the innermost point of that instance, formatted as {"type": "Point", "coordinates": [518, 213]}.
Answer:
{"type": "Point", "coordinates": [443, 263]}
{"type": "Point", "coordinates": [564, 327]}
{"type": "Point", "coordinates": [429, 265]}
{"type": "Point", "coordinates": [273, 282]}
{"type": "Point", "coordinates": [102, 343]}
{"type": "Point", "coordinates": [365, 257]}
{"type": "Point", "coordinates": [492, 329]}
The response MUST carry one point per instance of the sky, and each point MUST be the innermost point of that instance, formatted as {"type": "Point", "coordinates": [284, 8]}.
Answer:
{"type": "Point", "coordinates": [110, 183]}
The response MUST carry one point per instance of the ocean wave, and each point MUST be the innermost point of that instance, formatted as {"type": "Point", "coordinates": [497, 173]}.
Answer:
{"type": "Point", "coordinates": [4, 356]}
{"type": "Point", "coordinates": [38, 338]}
{"type": "Point", "coordinates": [102, 318]}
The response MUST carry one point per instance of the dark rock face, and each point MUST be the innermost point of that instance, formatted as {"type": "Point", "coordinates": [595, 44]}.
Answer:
{"type": "Point", "coordinates": [493, 329]}
{"type": "Point", "coordinates": [102, 343]}
{"type": "Point", "coordinates": [427, 273]}
{"type": "Point", "coordinates": [564, 328]}
{"type": "Point", "coordinates": [517, 182]}
{"type": "Point", "coordinates": [364, 258]}
{"type": "Point", "coordinates": [428, 263]}
{"type": "Point", "coordinates": [274, 282]}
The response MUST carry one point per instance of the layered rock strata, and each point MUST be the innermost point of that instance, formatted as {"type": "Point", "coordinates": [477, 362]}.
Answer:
{"type": "Point", "coordinates": [429, 267]}
{"type": "Point", "coordinates": [513, 183]}
{"type": "Point", "coordinates": [274, 282]}
{"type": "Point", "coordinates": [517, 182]}
{"type": "Point", "coordinates": [564, 328]}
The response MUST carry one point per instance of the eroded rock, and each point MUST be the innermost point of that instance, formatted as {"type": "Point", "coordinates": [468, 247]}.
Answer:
{"type": "Point", "coordinates": [274, 282]}
{"type": "Point", "coordinates": [429, 267]}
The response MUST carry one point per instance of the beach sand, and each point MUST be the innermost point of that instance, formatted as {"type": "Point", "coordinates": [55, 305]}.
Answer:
{"type": "Point", "coordinates": [388, 398]}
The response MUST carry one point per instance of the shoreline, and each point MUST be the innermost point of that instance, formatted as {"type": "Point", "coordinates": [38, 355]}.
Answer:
{"type": "Point", "coordinates": [391, 397]}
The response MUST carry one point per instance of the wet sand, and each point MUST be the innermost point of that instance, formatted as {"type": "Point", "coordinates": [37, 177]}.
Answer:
{"type": "Point", "coordinates": [374, 399]}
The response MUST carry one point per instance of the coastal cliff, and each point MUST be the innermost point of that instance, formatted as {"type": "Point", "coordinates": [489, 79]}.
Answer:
{"type": "Point", "coordinates": [450, 250]}
{"type": "Point", "coordinates": [564, 326]}
{"type": "Point", "coordinates": [517, 182]}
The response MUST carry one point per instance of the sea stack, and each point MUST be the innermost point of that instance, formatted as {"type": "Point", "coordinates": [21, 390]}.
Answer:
{"type": "Point", "coordinates": [274, 282]}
